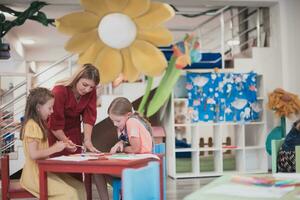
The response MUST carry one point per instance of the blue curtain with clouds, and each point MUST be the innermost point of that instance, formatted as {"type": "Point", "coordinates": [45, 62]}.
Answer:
{"type": "Point", "coordinates": [223, 97]}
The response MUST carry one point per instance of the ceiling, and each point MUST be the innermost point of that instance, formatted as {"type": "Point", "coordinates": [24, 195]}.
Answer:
{"type": "Point", "coordinates": [49, 43]}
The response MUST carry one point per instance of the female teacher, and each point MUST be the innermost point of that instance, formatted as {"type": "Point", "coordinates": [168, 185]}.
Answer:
{"type": "Point", "coordinates": [75, 102]}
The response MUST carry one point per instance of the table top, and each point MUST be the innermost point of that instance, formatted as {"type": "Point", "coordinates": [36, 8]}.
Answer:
{"type": "Point", "coordinates": [202, 195]}
{"type": "Point", "coordinates": [101, 165]}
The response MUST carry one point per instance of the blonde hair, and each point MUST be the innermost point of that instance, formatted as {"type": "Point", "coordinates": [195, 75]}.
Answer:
{"type": "Point", "coordinates": [87, 71]}
{"type": "Point", "coordinates": [37, 96]}
{"type": "Point", "coordinates": [121, 106]}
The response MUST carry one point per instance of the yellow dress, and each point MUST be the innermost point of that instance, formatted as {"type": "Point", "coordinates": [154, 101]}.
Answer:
{"type": "Point", "coordinates": [60, 186]}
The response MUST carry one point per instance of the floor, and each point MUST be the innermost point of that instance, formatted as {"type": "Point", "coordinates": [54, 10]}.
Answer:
{"type": "Point", "coordinates": [176, 189]}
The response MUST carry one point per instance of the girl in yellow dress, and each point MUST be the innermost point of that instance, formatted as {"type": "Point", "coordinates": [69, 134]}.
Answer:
{"type": "Point", "coordinates": [34, 135]}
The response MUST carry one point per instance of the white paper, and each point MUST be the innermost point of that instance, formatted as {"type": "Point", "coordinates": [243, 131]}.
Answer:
{"type": "Point", "coordinates": [89, 154]}
{"type": "Point", "coordinates": [73, 158]}
{"type": "Point", "coordinates": [132, 156]}
{"type": "Point", "coordinates": [250, 191]}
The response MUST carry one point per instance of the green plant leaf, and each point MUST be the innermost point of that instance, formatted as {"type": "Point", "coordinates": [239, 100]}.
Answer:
{"type": "Point", "coordinates": [165, 88]}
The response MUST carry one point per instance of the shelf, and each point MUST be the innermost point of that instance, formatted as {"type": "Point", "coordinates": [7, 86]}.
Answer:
{"type": "Point", "coordinates": [254, 122]}
{"type": "Point", "coordinates": [237, 148]}
{"type": "Point", "coordinates": [255, 160]}
{"type": "Point", "coordinates": [254, 147]}
{"type": "Point", "coordinates": [192, 175]}
{"type": "Point", "coordinates": [254, 135]}
{"type": "Point", "coordinates": [185, 150]}
{"type": "Point", "coordinates": [230, 172]}
{"type": "Point", "coordinates": [209, 149]}
{"type": "Point", "coordinates": [258, 171]}
{"type": "Point", "coordinates": [181, 99]}
{"type": "Point", "coordinates": [199, 150]}
{"type": "Point", "coordinates": [221, 123]}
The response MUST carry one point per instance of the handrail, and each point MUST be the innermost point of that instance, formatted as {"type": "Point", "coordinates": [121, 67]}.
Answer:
{"type": "Point", "coordinates": [14, 88]}
{"type": "Point", "coordinates": [249, 16]}
{"type": "Point", "coordinates": [53, 65]}
{"type": "Point", "coordinates": [17, 99]}
{"type": "Point", "coordinates": [246, 31]}
{"type": "Point", "coordinates": [246, 42]}
{"type": "Point", "coordinates": [7, 125]}
{"type": "Point", "coordinates": [228, 20]}
{"type": "Point", "coordinates": [5, 147]}
{"type": "Point", "coordinates": [63, 69]}
{"type": "Point", "coordinates": [211, 30]}
{"type": "Point", "coordinates": [212, 18]}
{"type": "Point", "coordinates": [9, 133]}
{"type": "Point", "coordinates": [235, 15]}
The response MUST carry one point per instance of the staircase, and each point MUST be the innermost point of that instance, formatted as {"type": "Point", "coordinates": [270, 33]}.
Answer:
{"type": "Point", "coordinates": [237, 33]}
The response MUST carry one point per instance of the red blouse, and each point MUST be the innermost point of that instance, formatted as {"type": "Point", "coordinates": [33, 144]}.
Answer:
{"type": "Point", "coordinates": [68, 114]}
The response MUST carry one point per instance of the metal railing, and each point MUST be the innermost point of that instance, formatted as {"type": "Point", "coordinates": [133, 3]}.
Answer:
{"type": "Point", "coordinates": [223, 33]}
{"type": "Point", "coordinates": [8, 131]}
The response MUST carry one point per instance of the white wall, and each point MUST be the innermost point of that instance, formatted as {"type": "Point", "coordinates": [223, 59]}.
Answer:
{"type": "Point", "coordinates": [48, 79]}
{"type": "Point", "coordinates": [289, 16]}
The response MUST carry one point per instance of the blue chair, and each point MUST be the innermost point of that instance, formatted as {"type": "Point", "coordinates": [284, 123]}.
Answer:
{"type": "Point", "coordinates": [116, 184]}
{"type": "Point", "coordinates": [141, 183]}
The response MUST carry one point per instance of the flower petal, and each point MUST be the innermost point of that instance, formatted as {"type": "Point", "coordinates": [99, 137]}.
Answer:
{"type": "Point", "coordinates": [77, 22]}
{"type": "Point", "coordinates": [97, 7]}
{"type": "Point", "coordinates": [156, 15]}
{"type": "Point", "coordinates": [116, 5]}
{"type": "Point", "coordinates": [81, 41]}
{"type": "Point", "coordinates": [147, 58]}
{"type": "Point", "coordinates": [158, 36]}
{"type": "Point", "coordinates": [109, 62]}
{"type": "Point", "coordinates": [136, 8]}
{"type": "Point", "coordinates": [90, 55]}
{"type": "Point", "coordinates": [129, 71]}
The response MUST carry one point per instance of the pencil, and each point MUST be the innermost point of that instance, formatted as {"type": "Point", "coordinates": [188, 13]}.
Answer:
{"type": "Point", "coordinates": [80, 146]}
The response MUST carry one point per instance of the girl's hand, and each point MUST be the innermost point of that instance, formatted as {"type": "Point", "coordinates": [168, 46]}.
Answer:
{"type": "Point", "coordinates": [70, 146]}
{"type": "Point", "coordinates": [90, 147]}
{"type": "Point", "coordinates": [59, 146]}
{"type": "Point", "coordinates": [119, 147]}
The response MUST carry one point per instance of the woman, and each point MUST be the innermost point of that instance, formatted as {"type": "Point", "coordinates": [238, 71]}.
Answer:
{"type": "Point", "coordinates": [75, 102]}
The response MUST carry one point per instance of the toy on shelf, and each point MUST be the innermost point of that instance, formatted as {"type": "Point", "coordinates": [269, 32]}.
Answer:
{"type": "Point", "coordinates": [285, 104]}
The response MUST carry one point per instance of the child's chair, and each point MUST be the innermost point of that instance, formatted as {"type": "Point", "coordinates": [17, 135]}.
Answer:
{"type": "Point", "coordinates": [11, 189]}
{"type": "Point", "coordinates": [141, 183]}
{"type": "Point", "coordinates": [116, 184]}
{"type": "Point", "coordinates": [276, 144]}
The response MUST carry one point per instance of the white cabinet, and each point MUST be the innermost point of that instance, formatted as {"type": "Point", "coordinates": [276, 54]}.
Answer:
{"type": "Point", "coordinates": [212, 148]}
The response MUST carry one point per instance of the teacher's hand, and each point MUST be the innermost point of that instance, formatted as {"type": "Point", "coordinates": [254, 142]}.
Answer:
{"type": "Point", "coordinates": [90, 147]}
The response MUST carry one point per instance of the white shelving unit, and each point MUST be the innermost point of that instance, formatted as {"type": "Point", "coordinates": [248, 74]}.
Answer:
{"type": "Point", "coordinates": [246, 155]}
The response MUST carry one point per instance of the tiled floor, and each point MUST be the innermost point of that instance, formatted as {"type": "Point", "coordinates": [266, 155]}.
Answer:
{"type": "Point", "coordinates": [176, 189]}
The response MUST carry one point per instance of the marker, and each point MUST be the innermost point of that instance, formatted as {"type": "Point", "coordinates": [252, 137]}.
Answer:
{"type": "Point", "coordinates": [284, 182]}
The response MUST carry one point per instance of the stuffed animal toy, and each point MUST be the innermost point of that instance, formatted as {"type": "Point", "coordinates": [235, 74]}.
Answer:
{"type": "Point", "coordinates": [284, 103]}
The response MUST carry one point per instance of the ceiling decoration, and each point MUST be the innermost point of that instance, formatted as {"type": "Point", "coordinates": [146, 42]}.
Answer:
{"type": "Point", "coordinates": [119, 36]}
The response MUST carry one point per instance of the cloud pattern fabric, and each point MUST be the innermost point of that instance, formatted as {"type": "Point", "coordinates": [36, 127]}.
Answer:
{"type": "Point", "coordinates": [223, 97]}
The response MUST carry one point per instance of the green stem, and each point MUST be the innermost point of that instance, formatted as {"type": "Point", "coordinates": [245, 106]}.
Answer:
{"type": "Point", "coordinates": [283, 126]}
{"type": "Point", "coordinates": [141, 108]}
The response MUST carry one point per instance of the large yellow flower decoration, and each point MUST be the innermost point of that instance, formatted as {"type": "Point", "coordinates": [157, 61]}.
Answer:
{"type": "Point", "coordinates": [119, 36]}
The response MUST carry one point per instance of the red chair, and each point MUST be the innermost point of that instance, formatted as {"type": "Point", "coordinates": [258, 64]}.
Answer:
{"type": "Point", "coordinates": [11, 189]}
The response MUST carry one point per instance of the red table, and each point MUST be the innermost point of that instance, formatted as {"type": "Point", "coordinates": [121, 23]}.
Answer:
{"type": "Point", "coordinates": [100, 166]}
